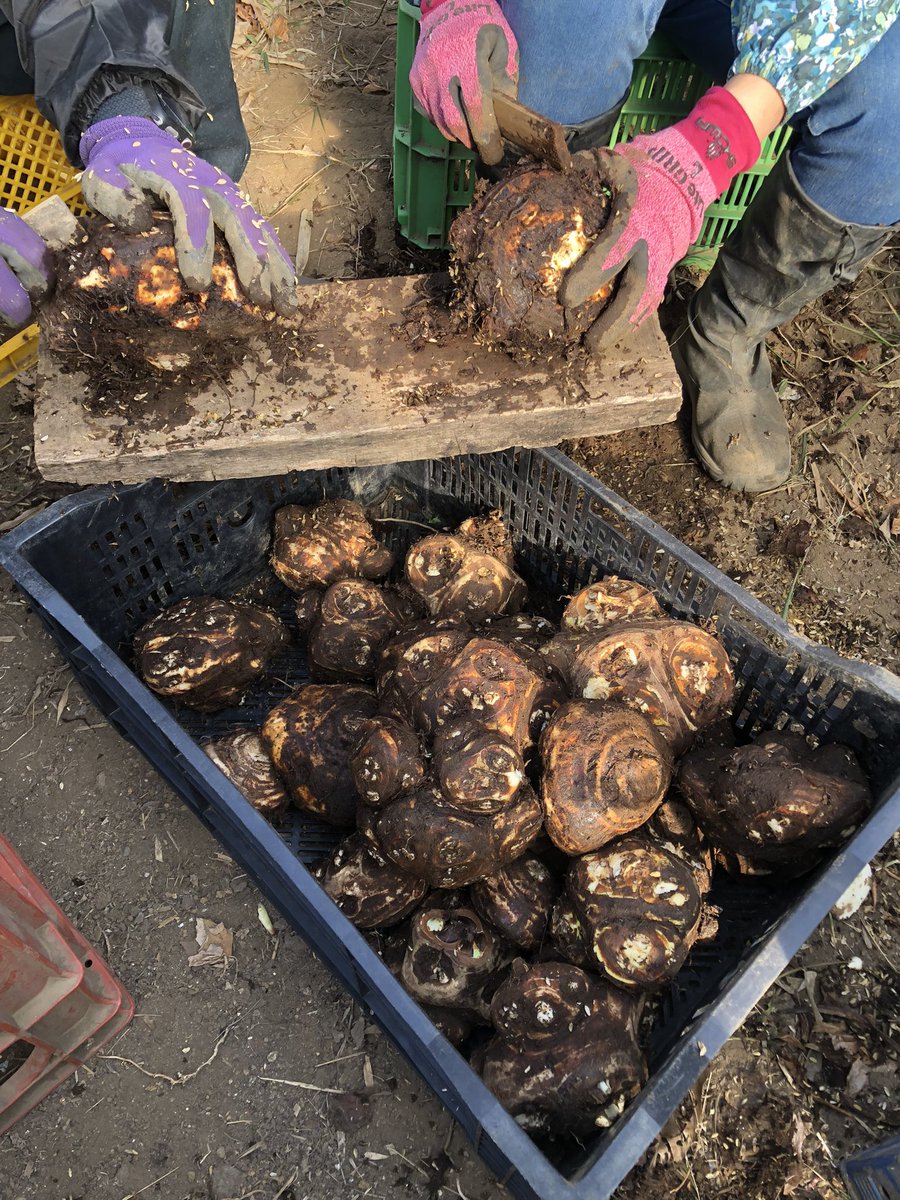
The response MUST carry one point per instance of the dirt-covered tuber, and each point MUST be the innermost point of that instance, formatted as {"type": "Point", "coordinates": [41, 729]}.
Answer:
{"type": "Point", "coordinates": [517, 901]}
{"type": "Point", "coordinates": [566, 1058]}
{"type": "Point", "coordinates": [122, 317]}
{"type": "Point", "coordinates": [493, 684]}
{"type": "Point", "coordinates": [606, 770]}
{"type": "Point", "coordinates": [478, 769]}
{"type": "Point", "coordinates": [243, 756]}
{"type": "Point", "coordinates": [632, 910]}
{"type": "Point", "coordinates": [456, 578]}
{"type": "Point", "coordinates": [672, 671]}
{"type": "Point", "coordinates": [413, 658]}
{"type": "Point", "coordinates": [371, 892]}
{"type": "Point", "coordinates": [601, 604]}
{"type": "Point", "coordinates": [321, 544]}
{"type": "Point", "coordinates": [388, 761]}
{"type": "Point", "coordinates": [454, 961]}
{"type": "Point", "coordinates": [776, 803]}
{"type": "Point", "coordinates": [205, 652]}
{"type": "Point", "coordinates": [356, 619]}
{"type": "Point", "coordinates": [512, 248]}
{"type": "Point", "coordinates": [311, 736]}
{"type": "Point", "coordinates": [431, 838]}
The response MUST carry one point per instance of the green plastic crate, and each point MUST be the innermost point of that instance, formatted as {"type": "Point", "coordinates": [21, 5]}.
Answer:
{"type": "Point", "coordinates": [434, 178]}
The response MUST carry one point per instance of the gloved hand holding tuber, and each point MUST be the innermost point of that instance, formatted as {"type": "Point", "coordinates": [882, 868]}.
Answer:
{"type": "Point", "coordinates": [26, 270]}
{"type": "Point", "coordinates": [466, 52]}
{"type": "Point", "coordinates": [662, 185]}
{"type": "Point", "coordinates": [129, 161]}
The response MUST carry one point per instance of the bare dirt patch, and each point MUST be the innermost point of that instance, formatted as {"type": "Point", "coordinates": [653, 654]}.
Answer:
{"type": "Point", "coordinates": [811, 1077]}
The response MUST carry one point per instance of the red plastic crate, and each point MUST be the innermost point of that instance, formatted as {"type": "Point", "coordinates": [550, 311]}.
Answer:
{"type": "Point", "coordinates": [59, 1002]}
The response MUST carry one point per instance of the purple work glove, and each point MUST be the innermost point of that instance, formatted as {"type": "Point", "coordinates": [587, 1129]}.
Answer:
{"type": "Point", "coordinates": [26, 269]}
{"type": "Point", "coordinates": [466, 52]}
{"type": "Point", "coordinates": [662, 185]}
{"type": "Point", "coordinates": [126, 158]}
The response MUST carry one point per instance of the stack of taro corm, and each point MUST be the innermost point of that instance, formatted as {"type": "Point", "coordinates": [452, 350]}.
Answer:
{"type": "Point", "coordinates": [533, 813]}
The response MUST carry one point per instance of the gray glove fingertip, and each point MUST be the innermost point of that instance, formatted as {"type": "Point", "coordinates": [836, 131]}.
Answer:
{"type": "Point", "coordinates": [129, 210]}
{"type": "Point", "coordinates": [194, 262]}
{"type": "Point", "coordinates": [617, 322]}
{"type": "Point", "coordinates": [587, 275]}
{"type": "Point", "coordinates": [36, 278]}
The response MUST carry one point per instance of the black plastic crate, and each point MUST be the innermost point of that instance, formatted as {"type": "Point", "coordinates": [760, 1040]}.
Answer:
{"type": "Point", "coordinates": [96, 565]}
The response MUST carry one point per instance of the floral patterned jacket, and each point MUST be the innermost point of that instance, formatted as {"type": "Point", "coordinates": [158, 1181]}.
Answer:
{"type": "Point", "coordinates": [802, 49]}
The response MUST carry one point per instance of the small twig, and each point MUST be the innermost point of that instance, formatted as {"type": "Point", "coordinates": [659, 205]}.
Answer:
{"type": "Point", "coordinates": [178, 1080]}
{"type": "Point", "coordinates": [308, 1087]}
{"type": "Point", "coordinates": [284, 1187]}
{"type": "Point", "coordinates": [152, 1183]}
{"type": "Point", "coordinates": [342, 1058]}
{"type": "Point", "coordinates": [402, 521]}
{"type": "Point", "coordinates": [793, 587]}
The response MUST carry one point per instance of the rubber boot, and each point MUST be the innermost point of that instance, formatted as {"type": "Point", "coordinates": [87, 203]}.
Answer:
{"type": "Point", "coordinates": [785, 252]}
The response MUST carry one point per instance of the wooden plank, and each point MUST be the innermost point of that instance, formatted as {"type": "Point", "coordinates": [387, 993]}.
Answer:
{"type": "Point", "coordinates": [363, 394]}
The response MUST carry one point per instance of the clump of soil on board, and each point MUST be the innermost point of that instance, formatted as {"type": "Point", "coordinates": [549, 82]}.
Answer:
{"type": "Point", "coordinates": [123, 318]}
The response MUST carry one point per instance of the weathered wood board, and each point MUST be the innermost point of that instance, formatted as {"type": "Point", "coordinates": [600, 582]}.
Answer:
{"type": "Point", "coordinates": [362, 395]}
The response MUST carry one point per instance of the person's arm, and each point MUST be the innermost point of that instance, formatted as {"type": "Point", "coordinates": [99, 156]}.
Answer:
{"type": "Point", "coordinates": [801, 50]}
{"type": "Point", "coordinates": [760, 101]}
{"type": "Point", "coordinates": [81, 54]}
{"type": "Point", "coordinates": [82, 57]}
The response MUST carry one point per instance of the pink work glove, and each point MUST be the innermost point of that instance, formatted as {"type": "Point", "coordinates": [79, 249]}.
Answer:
{"type": "Point", "coordinates": [466, 52]}
{"type": "Point", "coordinates": [662, 184]}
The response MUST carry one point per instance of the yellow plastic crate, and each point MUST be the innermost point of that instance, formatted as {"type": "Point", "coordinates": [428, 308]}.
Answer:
{"type": "Point", "coordinates": [33, 166]}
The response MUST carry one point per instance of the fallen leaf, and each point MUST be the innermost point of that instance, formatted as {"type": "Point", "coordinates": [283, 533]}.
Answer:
{"type": "Point", "coordinates": [798, 1137]}
{"type": "Point", "coordinates": [857, 1078]}
{"type": "Point", "coordinates": [63, 701]}
{"type": "Point", "coordinates": [374, 89]}
{"type": "Point", "coordinates": [215, 944]}
{"type": "Point", "coordinates": [265, 920]}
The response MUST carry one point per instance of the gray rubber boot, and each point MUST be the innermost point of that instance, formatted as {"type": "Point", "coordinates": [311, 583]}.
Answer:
{"type": "Point", "coordinates": [785, 252]}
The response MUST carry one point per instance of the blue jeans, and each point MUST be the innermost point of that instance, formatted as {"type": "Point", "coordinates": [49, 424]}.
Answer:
{"type": "Point", "coordinates": [576, 62]}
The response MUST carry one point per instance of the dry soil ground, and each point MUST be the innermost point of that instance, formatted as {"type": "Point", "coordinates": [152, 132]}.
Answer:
{"type": "Point", "coordinates": [184, 1104]}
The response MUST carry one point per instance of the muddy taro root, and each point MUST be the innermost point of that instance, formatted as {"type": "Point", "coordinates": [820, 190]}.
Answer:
{"type": "Point", "coordinates": [427, 835]}
{"type": "Point", "coordinates": [388, 761]}
{"type": "Point", "coordinates": [469, 573]}
{"type": "Point", "coordinates": [517, 901]}
{"type": "Point", "coordinates": [609, 600]}
{"type": "Point", "coordinates": [496, 686]}
{"type": "Point", "coordinates": [512, 248]}
{"type": "Point", "coordinates": [123, 316]}
{"type": "Point", "coordinates": [672, 671]}
{"type": "Point", "coordinates": [311, 736]}
{"type": "Point", "coordinates": [775, 804]}
{"type": "Point", "coordinates": [318, 545]}
{"type": "Point", "coordinates": [371, 892]}
{"type": "Point", "coordinates": [566, 1058]}
{"type": "Point", "coordinates": [606, 770]}
{"type": "Point", "coordinates": [631, 910]}
{"type": "Point", "coordinates": [243, 756]}
{"type": "Point", "coordinates": [454, 961]}
{"type": "Point", "coordinates": [355, 621]}
{"type": "Point", "coordinates": [205, 652]}
{"type": "Point", "coordinates": [413, 658]}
